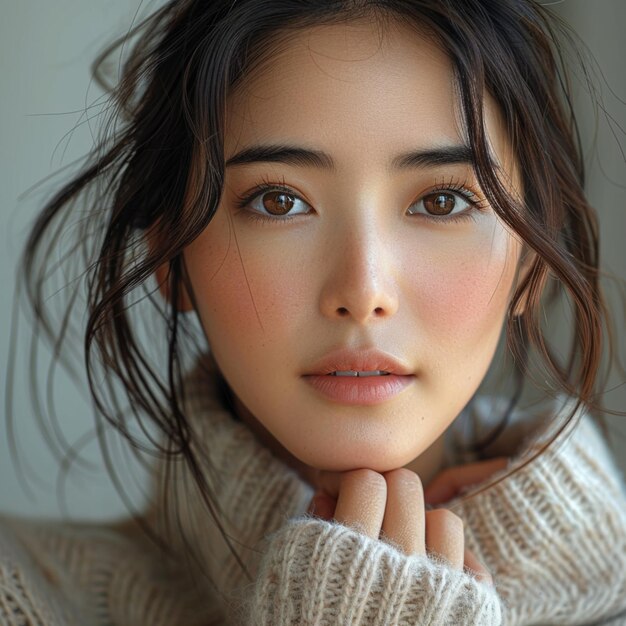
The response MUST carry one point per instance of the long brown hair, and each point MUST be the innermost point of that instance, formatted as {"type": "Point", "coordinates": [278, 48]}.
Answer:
{"type": "Point", "coordinates": [165, 124]}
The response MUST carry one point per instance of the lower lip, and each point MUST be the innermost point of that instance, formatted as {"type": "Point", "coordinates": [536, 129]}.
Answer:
{"type": "Point", "coordinates": [363, 390]}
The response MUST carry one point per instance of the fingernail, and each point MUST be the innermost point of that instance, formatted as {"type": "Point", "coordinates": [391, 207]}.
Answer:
{"type": "Point", "coordinates": [322, 506]}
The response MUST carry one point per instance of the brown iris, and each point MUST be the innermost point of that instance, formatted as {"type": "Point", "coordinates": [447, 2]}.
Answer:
{"type": "Point", "coordinates": [278, 202]}
{"type": "Point", "coordinates": [439, 203]}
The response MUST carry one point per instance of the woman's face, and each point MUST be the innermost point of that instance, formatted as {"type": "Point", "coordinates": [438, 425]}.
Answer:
{"type": "Point", "coordinates": [345, 255]}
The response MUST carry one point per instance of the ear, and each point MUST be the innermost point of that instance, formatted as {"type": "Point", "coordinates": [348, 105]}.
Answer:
{"type": "Point", "coordinates": [161, 274]}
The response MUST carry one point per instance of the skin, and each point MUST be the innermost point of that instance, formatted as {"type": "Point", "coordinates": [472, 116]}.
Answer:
{"type": "Point", "coordinates": [355, 269]}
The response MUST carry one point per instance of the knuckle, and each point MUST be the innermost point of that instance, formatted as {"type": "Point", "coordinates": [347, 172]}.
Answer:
{"type": "Point", "coordinates": [367, 478]}
{"type": "Point", "coordinates": [445, 517]}
{"type": "Point", "coordinates": [403, 477]}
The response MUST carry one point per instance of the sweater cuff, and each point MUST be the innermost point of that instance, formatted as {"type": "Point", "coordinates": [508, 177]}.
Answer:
{"type": "Point", "coordinates": [318, 572]}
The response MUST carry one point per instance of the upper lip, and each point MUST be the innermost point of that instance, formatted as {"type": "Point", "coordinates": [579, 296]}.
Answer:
{"type": "Point", "coordinates": [368, 360]}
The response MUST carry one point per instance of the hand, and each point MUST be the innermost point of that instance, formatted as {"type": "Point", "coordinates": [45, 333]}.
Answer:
{"type": "Point", "coordinates": [453, 480]}
{"type": "Point", "coordinates": [390, 507]}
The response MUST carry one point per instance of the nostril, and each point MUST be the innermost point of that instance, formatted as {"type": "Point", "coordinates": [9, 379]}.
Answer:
{"type": "Point", "coordinates": [342, 311]}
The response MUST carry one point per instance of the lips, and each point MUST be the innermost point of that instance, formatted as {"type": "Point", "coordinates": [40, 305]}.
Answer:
{"type": "Point", "coordinates": [369, 360]}
{"type": "Point", "coordinates": [359, 387]}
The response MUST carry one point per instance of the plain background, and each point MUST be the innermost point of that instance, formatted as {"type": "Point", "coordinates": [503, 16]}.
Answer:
{"type": "Point", "coordinates": [45, 52]}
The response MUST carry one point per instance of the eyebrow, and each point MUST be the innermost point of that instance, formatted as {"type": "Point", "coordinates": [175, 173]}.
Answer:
{"type": "Point", "coordinates": [305, 157]}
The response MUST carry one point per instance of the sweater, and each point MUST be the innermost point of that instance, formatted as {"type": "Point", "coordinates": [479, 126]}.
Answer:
{"type": "Point", "coordinates": [553, 536]}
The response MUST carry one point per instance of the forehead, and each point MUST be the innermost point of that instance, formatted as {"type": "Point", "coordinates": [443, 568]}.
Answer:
{"type": "Point", "coordinates": [354, 88]}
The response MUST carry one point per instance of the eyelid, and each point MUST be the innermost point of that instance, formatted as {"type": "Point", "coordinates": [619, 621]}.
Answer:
{"type": "Point", "coordinates": [455, 186]}
{"type": "Point", "coordinates": [458, 185]}
{"type": "Point", "coordinates": [266, 185]}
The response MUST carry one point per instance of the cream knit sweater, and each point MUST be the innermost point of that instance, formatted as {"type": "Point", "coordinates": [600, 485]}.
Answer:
{"type": "Point", "coordinates": [553, 536]}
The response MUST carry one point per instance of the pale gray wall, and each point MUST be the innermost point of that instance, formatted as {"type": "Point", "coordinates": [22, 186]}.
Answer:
{"type": "Point", "coordinates": [601, 25]}
{"type": "Point", "coordinates": [45, 51]}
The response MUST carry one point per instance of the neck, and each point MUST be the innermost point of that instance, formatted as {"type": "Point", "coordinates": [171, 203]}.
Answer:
{"type": "Point", "coordinates": [428, 464]}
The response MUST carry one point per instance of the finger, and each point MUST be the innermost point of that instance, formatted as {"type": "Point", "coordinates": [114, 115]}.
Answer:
{"type": "Point", "coordinates": [444, 536]}
{"type": "Point", "coordinates": [329, 481]}
{"type": "Point", "coordinates": [477, 568]}
{"type": "Point", "coordinates": [361, 501]}
{"type": "Point", "coordinates": [322, 506]}
{"type": "Point", "coordinates": [448, 483]}
{"type": "Point", "coordinates": [404, 521]}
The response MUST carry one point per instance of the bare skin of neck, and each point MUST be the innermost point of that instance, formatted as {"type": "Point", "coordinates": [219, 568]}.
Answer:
{"type": "Point", "coordinates": [427, 465]}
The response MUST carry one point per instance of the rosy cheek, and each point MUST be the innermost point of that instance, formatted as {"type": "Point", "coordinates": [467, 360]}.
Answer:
{"type": "Point", "coordinates": [242, 291]}
{"type": "Point", "coordinates": [462, 294]}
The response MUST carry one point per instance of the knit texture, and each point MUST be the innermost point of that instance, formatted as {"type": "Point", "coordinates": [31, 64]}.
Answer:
{"type": "Point", "coordinates": [553, 536]}
{"type": "Point", "coordinates": [61, 574]}
{"type": "Point", "coordinates": [323, 573]}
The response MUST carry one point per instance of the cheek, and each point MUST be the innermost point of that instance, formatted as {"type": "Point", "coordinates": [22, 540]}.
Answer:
{"type": "Point", "coordinates": [245, 295]}
{"type": "Point", "coordinates": [462, 294]}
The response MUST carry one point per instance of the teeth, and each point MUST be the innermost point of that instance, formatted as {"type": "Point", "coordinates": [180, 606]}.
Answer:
{"type": "Point", "coordinates": [360, 374]}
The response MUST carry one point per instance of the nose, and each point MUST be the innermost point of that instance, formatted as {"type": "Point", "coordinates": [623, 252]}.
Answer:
{"type": "Point", "coordinates": [361, 280]}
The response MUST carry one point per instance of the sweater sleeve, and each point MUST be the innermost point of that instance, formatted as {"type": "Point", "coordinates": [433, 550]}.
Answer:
{"type": "Point", "coordinates": [318, 572]}
{"type": "Point", "coordinates": [63, 574]}
{"type": "Point", "coordinates": [553, 533]}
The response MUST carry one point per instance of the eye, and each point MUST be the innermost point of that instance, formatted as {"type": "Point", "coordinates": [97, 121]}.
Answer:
{"type": "Point", "coordinates": [276, 202]}
{"type": "Point", "coordinates": [444, 203]}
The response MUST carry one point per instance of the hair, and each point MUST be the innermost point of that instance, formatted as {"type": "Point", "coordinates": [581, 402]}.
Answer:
{"type": "Point", "coordinates": [158, 173]}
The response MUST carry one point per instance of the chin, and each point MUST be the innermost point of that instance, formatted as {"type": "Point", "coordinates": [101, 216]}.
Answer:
{"type": "Point", "coordinates": [352, 457]}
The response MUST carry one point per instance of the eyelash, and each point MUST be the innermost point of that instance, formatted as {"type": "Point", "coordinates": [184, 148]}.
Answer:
{"type": "Point", "coordinates": [453, 185]}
